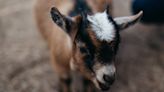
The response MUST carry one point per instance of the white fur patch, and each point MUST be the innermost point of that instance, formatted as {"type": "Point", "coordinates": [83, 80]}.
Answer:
{"type": "Point", "coordinates": [72, 65]}
{"type": "Point", "coordinates": [102, 26]}
{"type": "Point", "coordinates": [105, 70]}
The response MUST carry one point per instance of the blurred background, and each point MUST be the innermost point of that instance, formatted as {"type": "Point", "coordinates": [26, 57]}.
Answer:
{"type": "Point", "coordinates": [24, 60]}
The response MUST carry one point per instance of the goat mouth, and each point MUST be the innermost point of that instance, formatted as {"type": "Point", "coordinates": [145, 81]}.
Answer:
{"type": "Point", "coordinates": [101, 86]}
{"type": "Point", "coordinates": [104, 87]}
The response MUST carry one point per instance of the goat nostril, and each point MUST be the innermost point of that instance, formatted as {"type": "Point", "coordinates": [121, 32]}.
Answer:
{"type": "Point", "coordinates": [109, 79]}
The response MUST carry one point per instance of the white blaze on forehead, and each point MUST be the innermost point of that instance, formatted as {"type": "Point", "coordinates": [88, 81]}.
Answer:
{"type": "Point", "coordinates": [105, 70]}
{"type": "Point", "coordinates": [102, 26]}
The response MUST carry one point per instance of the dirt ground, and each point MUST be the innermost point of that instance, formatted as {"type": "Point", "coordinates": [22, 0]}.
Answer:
{"type": "Point", "coordinates": [24, 61]}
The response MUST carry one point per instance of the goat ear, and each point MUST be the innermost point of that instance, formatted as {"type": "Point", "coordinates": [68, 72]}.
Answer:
{"type": "Point", "coordinates": [62, 21]}
{"type": "Point", "coordinates": [77, 21]}
{"type": "Point", "coordinates": [57, 17]}
{"type": "Point", "coordinates": [125, 22]}
{"type": "Point", "coordinates": [67, 24]}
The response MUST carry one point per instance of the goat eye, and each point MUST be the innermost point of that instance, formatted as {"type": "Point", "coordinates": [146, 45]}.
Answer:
{"type": "Point", "coordinates": [86, 54]}
{"type": "Point", "coordinates": [83, 50]}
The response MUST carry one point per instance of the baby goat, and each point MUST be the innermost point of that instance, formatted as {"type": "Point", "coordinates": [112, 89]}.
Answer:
{"type": "Point", "coordinates": [85, 43]}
